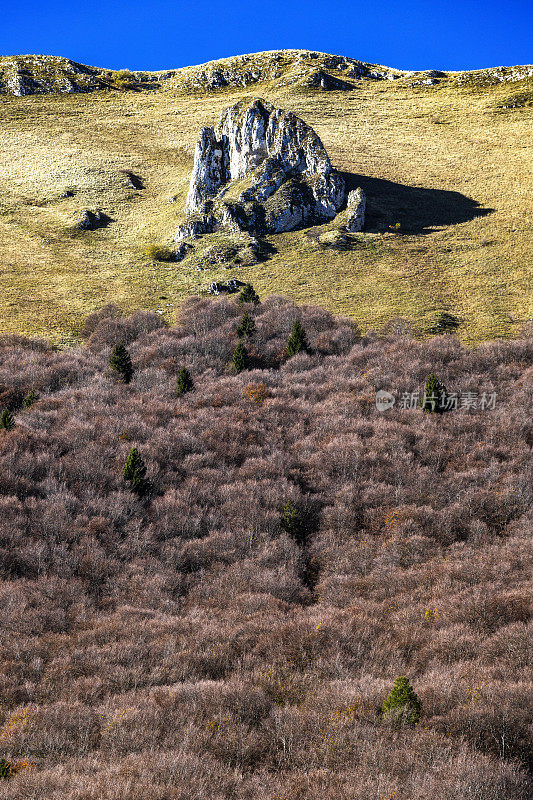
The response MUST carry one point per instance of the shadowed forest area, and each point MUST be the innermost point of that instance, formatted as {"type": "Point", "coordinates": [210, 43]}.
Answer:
{"type": "Point", "coordinates": [234, 629]}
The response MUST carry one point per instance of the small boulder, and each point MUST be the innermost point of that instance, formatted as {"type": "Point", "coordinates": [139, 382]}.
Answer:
{"type": "Point", "coordinates": [181, 251]}
{"type": "Point", "coordinates": [89, 220]}
{"type": "Point", "coordinates": [356, 210]}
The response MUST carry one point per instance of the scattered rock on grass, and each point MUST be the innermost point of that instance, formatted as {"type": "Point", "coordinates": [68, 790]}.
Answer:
{"type": "Point", "coordinates": [231, 286]}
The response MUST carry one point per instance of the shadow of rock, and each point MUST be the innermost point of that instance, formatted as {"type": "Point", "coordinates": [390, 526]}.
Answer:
{"type": "Point", "coordinates": [92, 220]}
{"type": "Point", "coordinates": [417, 210]}
{"type": "Point", "coordinates": [133, 181]}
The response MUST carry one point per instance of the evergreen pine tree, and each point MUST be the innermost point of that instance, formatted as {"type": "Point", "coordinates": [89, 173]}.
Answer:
{"type": "Point", "coordinates": [140, 485]}
{"type": "Point", "coordinates": [248, 295]}
{"type": "Point", "coordinates": [133, 464]}
{"type": "Point", "coordinates": [434, 397]}
{"type": "Point", "coordinates": [297, 340]}
{"type": "Point", "coordinates": [120, 362]}
{"type": "Point", "coordinates": [135, 474]}
{"type": "Point", "coordinates": [246, 326]}
{"type": "Point", "coordinates": [185, 382]}
{"type": "Point", "coordinates": [291, 522]}
{"type": "Point", "coordinates": [7, 420]}
{"type": "Point", "coordinates": [402, 706]}
{"type": "Point", "coordinates": [240, 357]}
{"type": "Point", "coordinates": [6, 768]}
{"type": "Point", "coordinates": [30, 398]}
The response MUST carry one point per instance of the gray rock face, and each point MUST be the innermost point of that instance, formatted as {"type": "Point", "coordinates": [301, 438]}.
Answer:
{"type": "Point", "coordinates": [356, 210]}
{"type": "Point", "coordinates": [289, 177]}
{"type": "Point", "coordinates": [20, 85]}
{"type": "Point", "coordinates": [210, 171]}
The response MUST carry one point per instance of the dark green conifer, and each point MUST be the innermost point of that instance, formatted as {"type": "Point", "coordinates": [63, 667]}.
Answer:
{"type": "Point", "coordinates": [184, 383]}
{"type": "Point", "coordinates": [6, 768]}
{"type": "Point", "coordinates": [402, 706]}
{"type": "Point", "coordinates": [135, 474]}
{"type": "Point", "coordinates": [120, 362]}
{"type": "Point", "coordinates": [297, 340]}
{"type": "Point", "coordinates": [246, 326]}
{"type": "Point", "coordinates": [30, 398]}
{"type": "Point", "coordinates": [134, 463]}
{"type": "Point", "coordinates": [7, 420]}
{"type": "Point", "coordinates": [140, 485]}
{"type": "Point", "coordinates": [248, 295]}
{"type": "Point", "coordinates": [434, 397]}
{"type": "Point", "coordinates": [291, 522]}
{"type": "Point", "coordinates": [240, 357]}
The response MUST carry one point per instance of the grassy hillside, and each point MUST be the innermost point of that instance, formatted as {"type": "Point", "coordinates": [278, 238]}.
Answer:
{"type": "Point", "coordinates": [447, 168]}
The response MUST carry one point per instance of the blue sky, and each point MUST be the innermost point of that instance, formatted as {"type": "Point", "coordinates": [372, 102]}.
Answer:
{"type": "Point", "coordinates": [160, 34]}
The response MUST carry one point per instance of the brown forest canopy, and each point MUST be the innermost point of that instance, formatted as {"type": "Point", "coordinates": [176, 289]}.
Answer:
{"type": "Point", "coordinates": [235, 634]}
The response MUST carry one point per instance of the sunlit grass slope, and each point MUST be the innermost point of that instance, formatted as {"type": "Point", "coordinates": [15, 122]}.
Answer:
{"type": "Point", "coordinates": [446, 167]}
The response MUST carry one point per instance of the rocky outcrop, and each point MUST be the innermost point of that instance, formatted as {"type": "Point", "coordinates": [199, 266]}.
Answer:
{"type": "Point", "coordinates": [231, 286]}
{"type": "Point", "coordinates": [90, 220]}
{"type": "Point", "coordinates": [20, 85]}
{"type": "Point", "coordinates": [323, 80]}
{"type": "Point", "coordinates": [261, 169]}
{"type": "Point", "coordinates": [28, 74]}
{"type": "Point", "coordinates": [321, 71]}
{"type": "Point", "coordinates": [356, 206]}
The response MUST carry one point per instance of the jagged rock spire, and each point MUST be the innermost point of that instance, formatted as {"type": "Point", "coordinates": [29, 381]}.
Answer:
{"type": "Point", "coordinates": [293, 179]}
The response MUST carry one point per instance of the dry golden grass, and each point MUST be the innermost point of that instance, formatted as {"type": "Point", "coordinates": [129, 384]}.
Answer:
{"type": "Point", "coordinates": [443, 161]}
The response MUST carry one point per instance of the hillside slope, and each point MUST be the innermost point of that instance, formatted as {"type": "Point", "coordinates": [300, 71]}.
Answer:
{"type": "Point", "coordinates": [234, 634]}
{"type": "Point", "coordinates": [445, 159]}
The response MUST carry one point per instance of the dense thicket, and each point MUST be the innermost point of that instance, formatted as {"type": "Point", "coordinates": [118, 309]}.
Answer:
{"type": "Point", "coordinates": [236, 633]}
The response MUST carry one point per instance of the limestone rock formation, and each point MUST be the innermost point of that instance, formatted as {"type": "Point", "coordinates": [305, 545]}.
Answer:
{"type": "Point", "coordinates": [20, 85]}
{"type": "Point", "coordinates": [28, 75]}
{"type": "Point", "coordinates": [263, 170]}
{"type": "Point", "coordinates": [356, 206]}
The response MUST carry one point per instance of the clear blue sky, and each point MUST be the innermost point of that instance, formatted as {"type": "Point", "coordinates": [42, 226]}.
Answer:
{"type": "Point", "coordinates": [160, 34]}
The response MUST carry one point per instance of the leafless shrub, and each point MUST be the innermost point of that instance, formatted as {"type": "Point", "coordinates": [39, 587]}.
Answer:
{"type": "Point", "coordinates": [190, 647]}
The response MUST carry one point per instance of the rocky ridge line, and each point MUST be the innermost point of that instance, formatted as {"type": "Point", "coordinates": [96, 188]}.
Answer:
{"type": "Point", "coordinates": [38, 74]}
{"type": "Point", "coordinates": [29, 75]}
